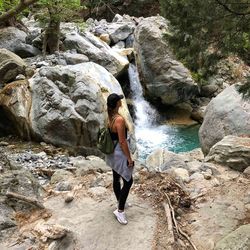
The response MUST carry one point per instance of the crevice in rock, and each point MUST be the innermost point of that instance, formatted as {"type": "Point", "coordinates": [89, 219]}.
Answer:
{"type": "Point", "coordinates": [6, 125]}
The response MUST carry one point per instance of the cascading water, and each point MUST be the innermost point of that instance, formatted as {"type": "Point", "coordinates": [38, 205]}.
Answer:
{"type": "Point", "coordinates": [149, 134]}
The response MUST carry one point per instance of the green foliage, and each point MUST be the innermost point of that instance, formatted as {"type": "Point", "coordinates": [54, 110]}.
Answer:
{"type": "Point", "coordinates": [245, 89]}
{"type": "Point", "coordinates": [5, 5]}
{"type": "Point", "coordinates": [58, 10]}
{"type": "Point", "coordinates": [205, 31]}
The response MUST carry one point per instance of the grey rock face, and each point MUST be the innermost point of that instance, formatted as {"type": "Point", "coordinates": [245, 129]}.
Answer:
{"type": "Point", "coordinates": [162, 160]}
{"type": "Point", "coordinates": [97, 51]}
{"type": "Point", "coordinates": [231, 151]}
{"type": "Point", "coordinates": [27, 50]}
{"type": "Point", "coordinates": [67, 104]}
{"type": "Point", "coordinates": [10, 66]}
{"type": "Point", "coordinates": [227, 114]}
{"type": "Point", "coordinates": [238, 239]}
{"type": "Point", "coordinates": [120, 31]}
{"type": "Point", "coordinates": [21, 182]}
{"type": "Point", "coordinates": [5, 217]}
{"type": "Point", "coordinates": [11, 38]}
{"type": "Point", "coordinates": [16, 99]}
{"type": "Point", "coordinates": [163, 77]}
{"type": "Point", "coordinates": [63, 105]}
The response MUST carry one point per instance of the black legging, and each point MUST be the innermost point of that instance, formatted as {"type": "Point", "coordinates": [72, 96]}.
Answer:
{"type": "Point", "coordinates": [121, 194]}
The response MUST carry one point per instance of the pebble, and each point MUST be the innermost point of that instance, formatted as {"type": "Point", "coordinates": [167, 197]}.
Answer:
{"type": "Point", "coordinates": [215, 182]}
{"type": "Point", "coordinates": [69, 198]}
{"type": "Point", "coordinates": [31, 160]}
{"type": "Point", "coordinates": [207, 175]}
{"type": "Point", "coordinates": [4, 143]}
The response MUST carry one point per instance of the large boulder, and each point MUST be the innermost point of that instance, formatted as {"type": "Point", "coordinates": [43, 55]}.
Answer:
{"type": "Point", "coordinates": [14, 40]}
{"type": "Point", "coordinates": [227, 114]}
{"type": "Point", "coordinates": [120, 31]}
{"type": "Point", "coordinates": [231, 151]}
{"type": "Point", "coordinates": [97, 51]}
{"type": "Point", "coordinates": [15, 99]}
{"type": "Point", "coordinates": [11, 38]}
{"type": "Point", "coordinates": [238, 239]}
{"type": "Point", "coordinates": [68, 104]}
{"type": "Point", "coordinates": [162, 160]}
{"type": "Point", "coordinates": [10, 66]}
{"type": "Point", "coordinates": [163, 77]}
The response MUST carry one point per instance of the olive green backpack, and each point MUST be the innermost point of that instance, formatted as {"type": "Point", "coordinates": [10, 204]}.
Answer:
{"type": "Point", "coordinates": [104, 141]}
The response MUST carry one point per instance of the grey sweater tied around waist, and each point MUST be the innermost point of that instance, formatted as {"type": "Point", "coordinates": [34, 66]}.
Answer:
{"type": "Point", "coordinates": [118, 162]}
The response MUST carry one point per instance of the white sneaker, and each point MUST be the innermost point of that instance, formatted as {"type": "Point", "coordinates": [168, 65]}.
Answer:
{"type": "Point", "coordinates": [120, 216]}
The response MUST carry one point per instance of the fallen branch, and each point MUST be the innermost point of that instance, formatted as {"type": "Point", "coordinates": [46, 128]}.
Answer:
{"type": "Point", "coordinates": [169, 220]}
{"type": "Point", "coordinates": [32, 201]}
{"type": "Point", "coordinates": [178, 230]}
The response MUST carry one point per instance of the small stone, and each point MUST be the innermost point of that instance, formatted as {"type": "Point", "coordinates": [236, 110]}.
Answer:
{"type": "Point", "coordinates": [215, 182]}
{"type": "Point", "coordinates": [20, 77]}
{"type": "Point", "coordinates": [4, 143]}
{"type": "Point", "coordinates": [247, 172]}
{"type": "Point", "coordinates": [105, 38]}
{"type": "Point", "coordinates": [69, 198]}
{"type": "Point", "coordinates": [207, 175]}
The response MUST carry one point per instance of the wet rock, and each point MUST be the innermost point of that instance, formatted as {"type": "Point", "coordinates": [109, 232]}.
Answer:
{"type": "Point", "coordinates": [227, 114]}
{"type": "Point", "coordinates": [238, 239]}
{"type": "Point", "coordinates": [198, 114]}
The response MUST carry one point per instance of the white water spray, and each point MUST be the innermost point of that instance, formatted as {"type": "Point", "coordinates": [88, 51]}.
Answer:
{"type": "Point", "coordinates": [149, 134]}
{"type": "Point", "coordinates": [145, 114]}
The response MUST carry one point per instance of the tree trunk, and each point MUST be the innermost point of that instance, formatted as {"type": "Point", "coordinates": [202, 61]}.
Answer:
{"type": "Point", "coordinates": [52, 34]}
{"type": "Point", "coordinates": [5, 17]}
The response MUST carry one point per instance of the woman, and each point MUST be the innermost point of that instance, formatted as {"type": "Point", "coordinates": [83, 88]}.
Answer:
{"type": "Point", "coordinates": [120, 161]}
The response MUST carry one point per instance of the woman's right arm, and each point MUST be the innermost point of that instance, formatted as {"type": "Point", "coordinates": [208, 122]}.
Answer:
{"type": "Point", "coordinates": [120, 126]}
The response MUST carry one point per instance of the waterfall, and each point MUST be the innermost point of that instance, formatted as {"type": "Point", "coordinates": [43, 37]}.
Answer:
{"type": "Point", "coordinates": [148, 133]}
{"type": "Point", "coordinates": [151, 135]}
{"type": "Point", "coordinates": [145, 114]}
